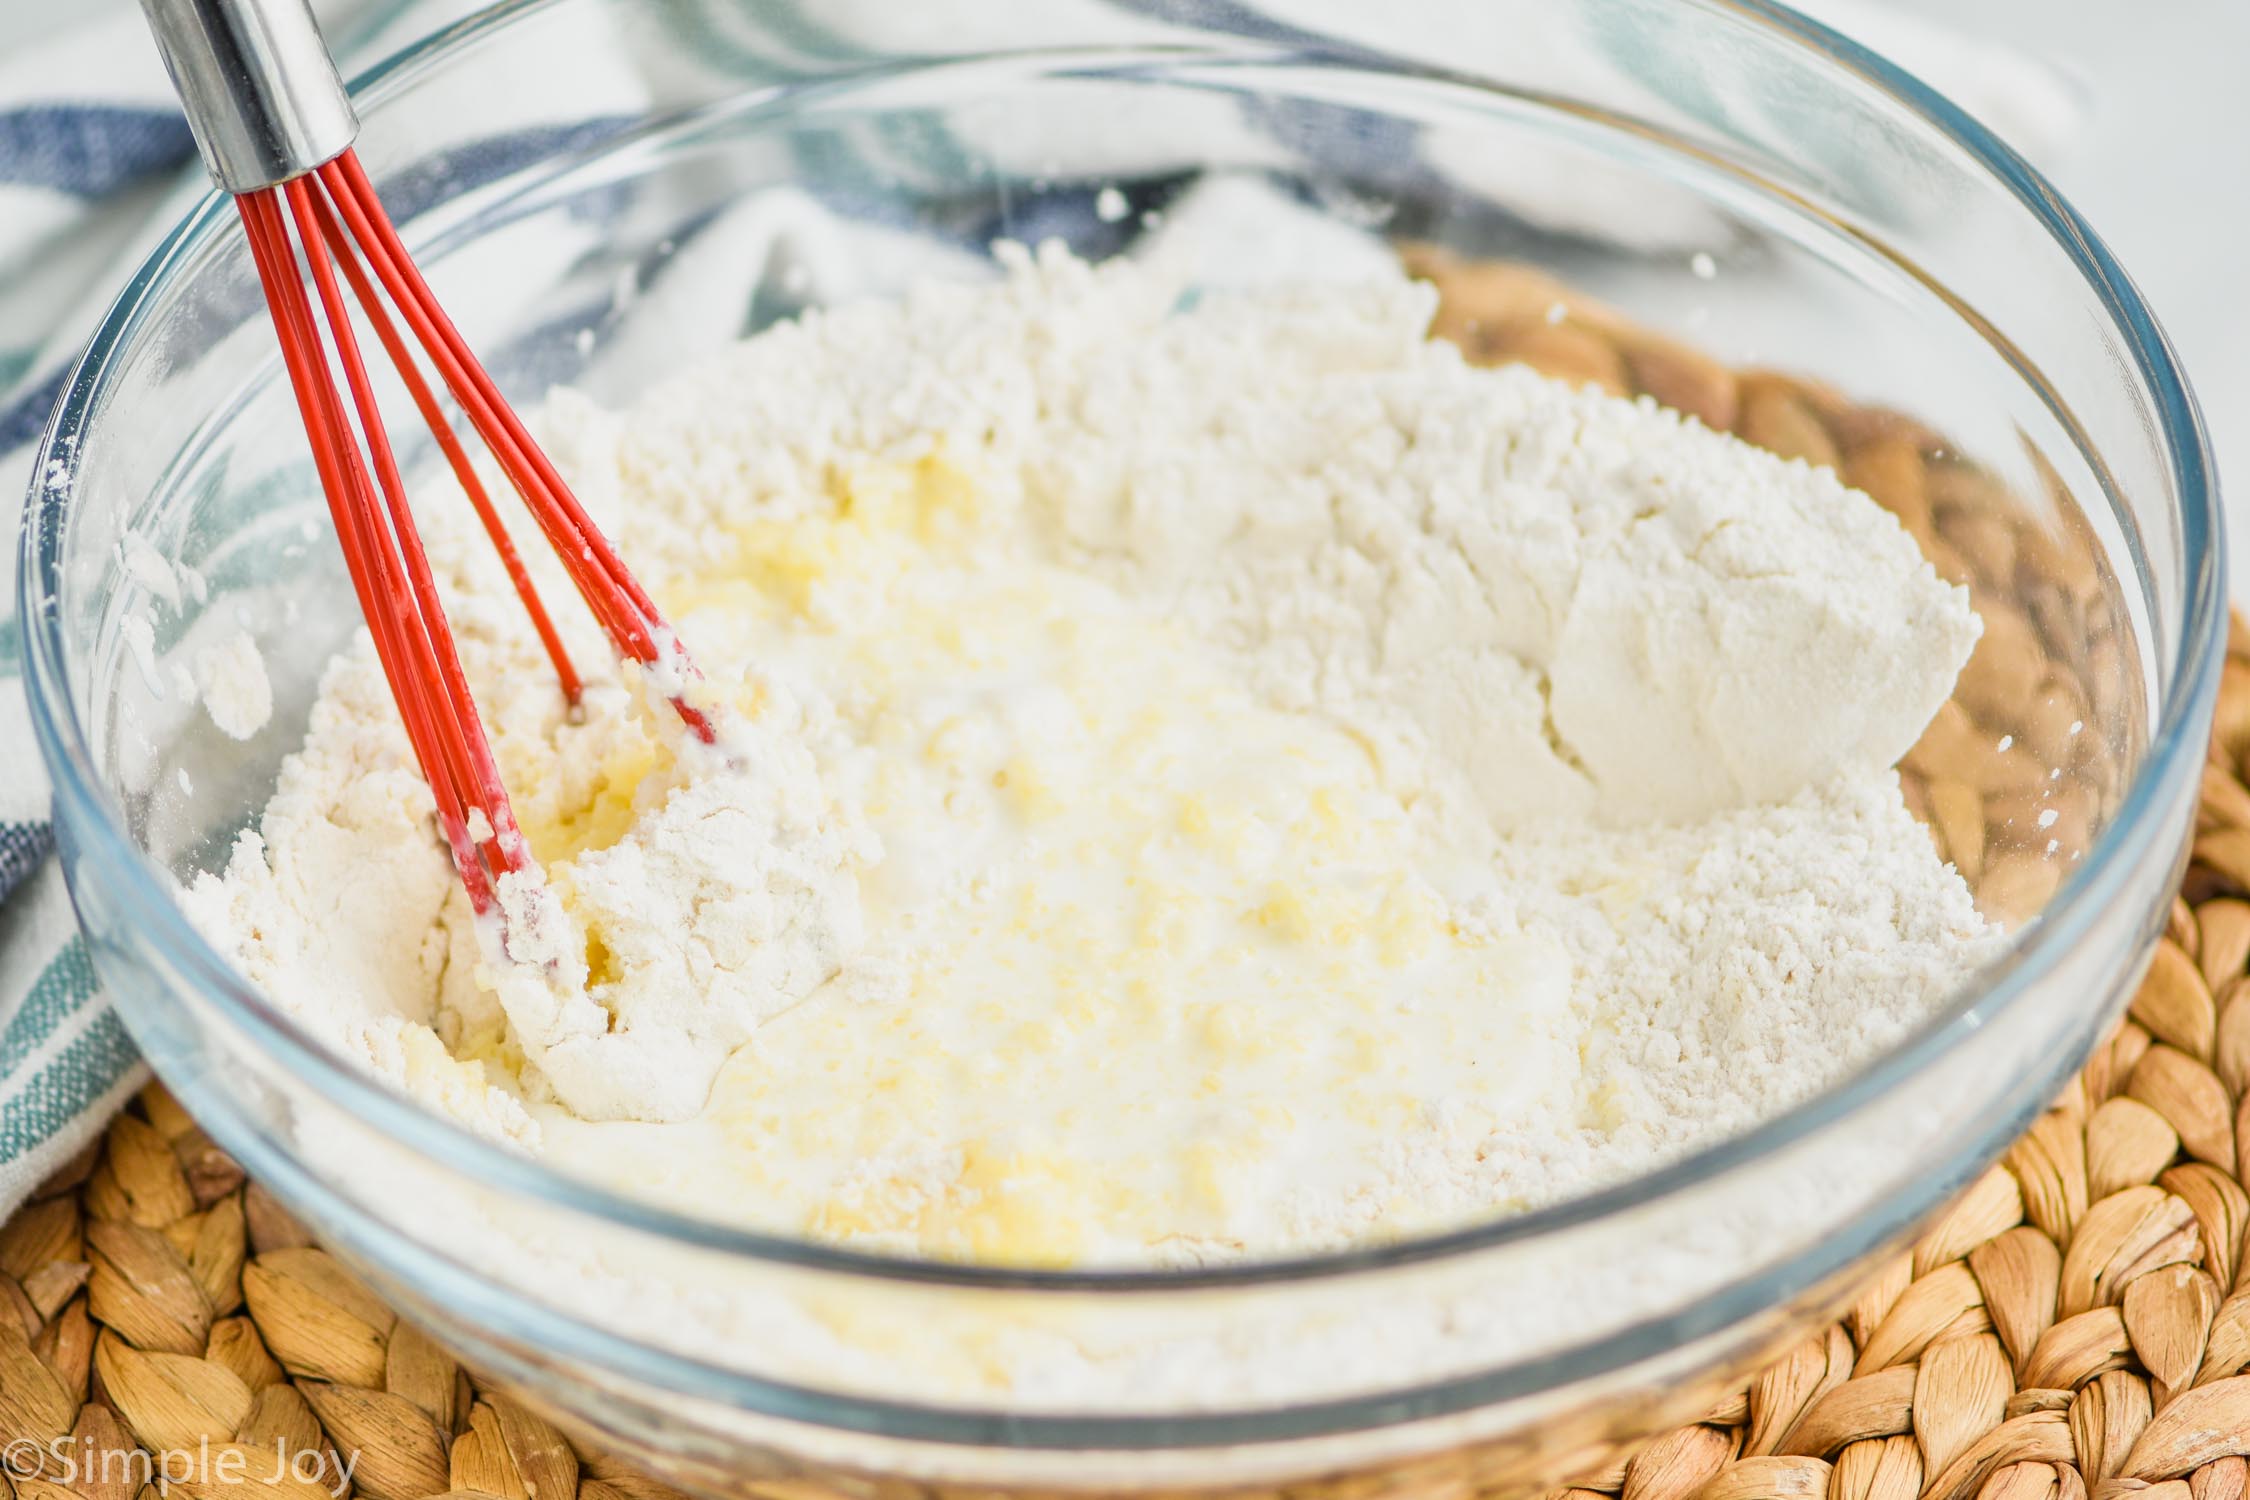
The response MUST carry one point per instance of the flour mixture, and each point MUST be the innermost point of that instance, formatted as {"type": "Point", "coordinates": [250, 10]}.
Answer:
{"type": "Point", "coordinates": [1206, 778]}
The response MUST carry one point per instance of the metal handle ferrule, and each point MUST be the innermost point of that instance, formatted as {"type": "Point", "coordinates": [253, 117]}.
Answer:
{"type": "Point", "coordinates": [262, 93]}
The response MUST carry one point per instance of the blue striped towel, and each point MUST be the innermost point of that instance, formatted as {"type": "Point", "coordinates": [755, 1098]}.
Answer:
{"type": "Point", "coordinates": [95, 162]}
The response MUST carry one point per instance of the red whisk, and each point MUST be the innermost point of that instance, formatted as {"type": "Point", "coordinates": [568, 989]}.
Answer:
{"type": "Point", "coordinates": [275, 127]}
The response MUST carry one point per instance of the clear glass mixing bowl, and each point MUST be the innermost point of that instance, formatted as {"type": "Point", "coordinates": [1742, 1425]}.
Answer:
{"type": "Point", "coordinates": [602, 187]}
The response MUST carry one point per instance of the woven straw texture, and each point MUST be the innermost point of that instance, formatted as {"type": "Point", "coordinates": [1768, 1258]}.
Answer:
{"type": "Point", "coordinates": [2077, 1324]}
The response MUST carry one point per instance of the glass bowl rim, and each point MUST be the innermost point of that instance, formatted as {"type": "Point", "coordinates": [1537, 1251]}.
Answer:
{"type": "Point", "coordinates": [2175, 749]}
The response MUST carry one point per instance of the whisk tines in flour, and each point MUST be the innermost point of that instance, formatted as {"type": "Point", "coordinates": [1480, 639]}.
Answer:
{"type": "Point", "coordinates": [276, 129]}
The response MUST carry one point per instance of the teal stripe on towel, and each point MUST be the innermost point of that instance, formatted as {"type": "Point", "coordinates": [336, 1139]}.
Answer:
{"type": "Point", "coordinates": [64, 1089]}
{"type": "Point", "coordinates": [62, 987]}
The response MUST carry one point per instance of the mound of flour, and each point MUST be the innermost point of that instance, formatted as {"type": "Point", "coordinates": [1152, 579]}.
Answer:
{"type": "Point", "coordinates": [1613, 688]}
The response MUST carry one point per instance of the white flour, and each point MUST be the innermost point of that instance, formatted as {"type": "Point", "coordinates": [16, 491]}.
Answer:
{"type": "Point", "coordinates": [231, 676]}
{"type": "Point", "coordinates": [1214, 781]}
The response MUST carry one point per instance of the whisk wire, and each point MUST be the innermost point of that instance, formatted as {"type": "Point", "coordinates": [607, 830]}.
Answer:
{"type": "Point", "coordinates": [468, 739]}
{"type": "Point", "coordinates": [442, 726]}
{"type": "Point", "coordinates": [631, 618]}
{"type": "Point", "coordinates": [449, 443]}
{"type": "Point", "coordinates": [278, 273]}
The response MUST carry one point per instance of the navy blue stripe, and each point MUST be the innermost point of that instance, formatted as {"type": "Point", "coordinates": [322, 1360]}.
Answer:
{"type": "Point", "coordinates": [22, 420]}
{"type": "Point", "coordinates": [1242, 19]}
{"type": "Point", "coordinates": [89, 150]}
{"type": "Point", "coordinates": [22, 846]}
{"type": "Point", "coordinates": [472, 164]}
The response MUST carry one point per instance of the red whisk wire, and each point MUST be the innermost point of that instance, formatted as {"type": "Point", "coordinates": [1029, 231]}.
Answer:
{"type": "Point", "coordinates": [340, 227]}
{"type": "Point", "coordinates": [635, 626]}
{"type": "Point", "coordinates": [463, 732]}
{"type": "Point", "coordinates": [457, 457]}
{"type": "Point", "coordinates": [382, 596]}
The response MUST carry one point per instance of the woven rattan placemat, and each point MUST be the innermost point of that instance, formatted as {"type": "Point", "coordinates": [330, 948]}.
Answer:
{"type": "Point", "coordinates": [2078, 1324]}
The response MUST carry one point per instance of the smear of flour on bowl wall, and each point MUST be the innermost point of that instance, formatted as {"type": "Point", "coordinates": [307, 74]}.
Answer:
{"type": "Point", "coordinates": [1217, 780]}
{"type": "Point", "coordinates": [231, 675]}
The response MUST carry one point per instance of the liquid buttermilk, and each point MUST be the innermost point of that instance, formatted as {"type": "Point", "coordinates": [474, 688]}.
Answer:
{"type": "Point", "coordinates": [1205, 778]}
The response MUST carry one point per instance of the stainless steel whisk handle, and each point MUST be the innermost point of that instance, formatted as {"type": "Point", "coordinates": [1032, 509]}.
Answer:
{"type": "Point", "coordinates": [262, 93]}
